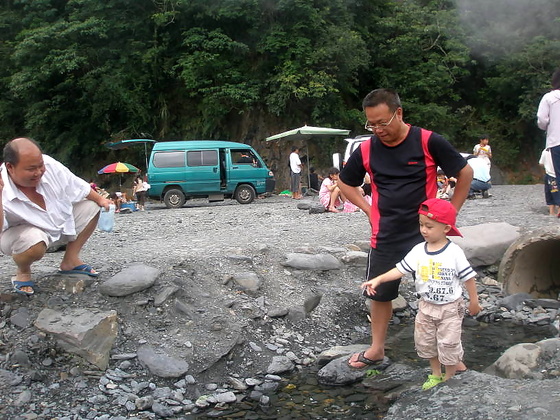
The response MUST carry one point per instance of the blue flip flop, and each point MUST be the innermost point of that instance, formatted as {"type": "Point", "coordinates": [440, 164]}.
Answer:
{"type": "Point", "coordinates": [19, 284]}
{"type": "Point", "coordinates": [81, 269]}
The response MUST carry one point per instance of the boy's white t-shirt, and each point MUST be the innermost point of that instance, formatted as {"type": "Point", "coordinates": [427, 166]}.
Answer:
{"type": "Point", "coordinates": [438, 275]}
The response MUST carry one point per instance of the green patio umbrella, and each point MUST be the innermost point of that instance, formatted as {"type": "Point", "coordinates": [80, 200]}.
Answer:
{"type": "Point", "coordinates": [307, 132]}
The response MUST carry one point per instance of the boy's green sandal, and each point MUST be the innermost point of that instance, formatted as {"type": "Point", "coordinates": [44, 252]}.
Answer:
{"type": "Point", "coordinates": [432, 381]}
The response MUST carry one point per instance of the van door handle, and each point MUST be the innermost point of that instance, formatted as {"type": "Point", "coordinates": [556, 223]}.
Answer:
{"type": "Point", "coordinates": [235, 167]}
{"type": "Point", "coordinates": [215, 170]}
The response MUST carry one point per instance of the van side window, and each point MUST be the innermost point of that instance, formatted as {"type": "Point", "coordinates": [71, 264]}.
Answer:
{"type": "Point", "coordinates": [202, 158]}
{"type": "Point", "coordinates": [169, 159]}
{"type": "Point", "coordinates": [244, 156]}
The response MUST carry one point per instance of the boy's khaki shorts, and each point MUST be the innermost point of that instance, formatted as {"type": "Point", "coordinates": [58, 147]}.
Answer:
{"type": "Point", "coordinates": [18, 239]}
{"type": "Point", "coordinates": [437, 331]}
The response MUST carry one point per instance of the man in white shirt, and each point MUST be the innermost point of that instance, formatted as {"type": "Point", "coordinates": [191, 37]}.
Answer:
{"type": "Point", "coordinates": [295, 172]}
{"type": "Point", "coordinates": [481, 176]}
{"type": "Point", "coordinates": [43, 203]}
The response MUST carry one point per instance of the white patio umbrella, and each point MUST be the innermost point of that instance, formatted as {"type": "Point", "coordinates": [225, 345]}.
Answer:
{"type": "Point", "coordinates": [305, 133]}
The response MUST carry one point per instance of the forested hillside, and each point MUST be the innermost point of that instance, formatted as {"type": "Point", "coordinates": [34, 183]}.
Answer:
{"type": "Point", "coordinates": [77, 74]}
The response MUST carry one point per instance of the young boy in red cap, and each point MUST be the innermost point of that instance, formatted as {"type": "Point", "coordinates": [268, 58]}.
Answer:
{"type": "Point", "coordinates": [439, 268]}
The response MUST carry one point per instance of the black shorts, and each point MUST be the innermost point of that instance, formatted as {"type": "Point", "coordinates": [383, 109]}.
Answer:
{"type": "Point", "coordinates": [380, 262]}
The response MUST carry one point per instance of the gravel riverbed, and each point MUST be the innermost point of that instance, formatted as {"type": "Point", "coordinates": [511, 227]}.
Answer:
{"type": "Point", "coordinates": [230, 338]}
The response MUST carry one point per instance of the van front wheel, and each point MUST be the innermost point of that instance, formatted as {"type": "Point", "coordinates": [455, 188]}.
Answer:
{"type": "Point", "coordinates": [245, 194]}
{"type": "Point", "coordinates": [174, 198]}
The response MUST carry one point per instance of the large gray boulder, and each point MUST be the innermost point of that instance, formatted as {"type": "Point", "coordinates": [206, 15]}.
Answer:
{"type": "Point", "coordinates": [486, 244]}
{"type": "Point", "coordinates": [87, 333]}
{"type": "Point", "coordinates": [529, 361]}
{"type": "Point", "coordinates": [479, 396]}
{"type": "Point", "coordinates": [130, 280]}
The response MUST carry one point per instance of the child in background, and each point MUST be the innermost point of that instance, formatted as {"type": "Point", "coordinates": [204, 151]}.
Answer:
{"type": "Point", "coordinates": [442, 185]}
{"type": "Point", "coordinates": [329, 194]}
{"type": "Point", "coordinates": [482, 149]}
{"type": "Point", "coordinates": [439, 267]}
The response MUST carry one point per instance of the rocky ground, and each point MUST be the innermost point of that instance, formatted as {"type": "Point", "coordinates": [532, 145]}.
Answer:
{"type": "Point", "coordinates": [224, 301]}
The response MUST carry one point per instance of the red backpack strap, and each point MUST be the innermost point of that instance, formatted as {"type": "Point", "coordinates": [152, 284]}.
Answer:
{"type": "Point", "coordinates": [431, 168]}
{"type": "Point", "coordinates": [374, 217]}
{"type": "Point", "coordinates": [364, 149]}
{"type": "Point", "coordinates": [425, 135]}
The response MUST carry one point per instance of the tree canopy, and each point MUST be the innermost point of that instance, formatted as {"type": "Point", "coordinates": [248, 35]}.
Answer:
{"type": "Point", "coordinates": [76, 74]}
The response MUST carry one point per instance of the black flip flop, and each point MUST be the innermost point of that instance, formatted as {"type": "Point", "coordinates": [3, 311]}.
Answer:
{"type": "Point", "coordinates": [379, 364]}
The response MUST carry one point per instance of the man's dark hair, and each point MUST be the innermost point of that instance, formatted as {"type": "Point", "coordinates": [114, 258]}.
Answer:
{"type": "Point", "coordinates": [294, 148]}
{"type": "Point", "coordinates": [556, 79]}
{"type": "Point", "coordinates": [382, 96]}
{"type": "Point", "coordinates": [11, 150]}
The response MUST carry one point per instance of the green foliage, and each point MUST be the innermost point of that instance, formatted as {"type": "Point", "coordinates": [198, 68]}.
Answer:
{"type": "Point", "coordinates": [75, 75]}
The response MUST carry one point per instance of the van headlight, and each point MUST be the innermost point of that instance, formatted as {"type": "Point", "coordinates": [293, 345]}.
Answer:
{"type": "Point", "coordinates": [270, 173]}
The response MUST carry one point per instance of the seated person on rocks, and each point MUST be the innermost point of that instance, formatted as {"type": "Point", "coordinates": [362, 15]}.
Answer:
{"type": "Point", "coordinates": [481, 177]}
{"type": "Point", "coordinates": [329, 193]}
{"type": "Point", "coordinates": [314, 180]}
{"type": "Point", "coordinates": [123, 196]}
{"type": "Point", "coordinates": [44, 204]}
{"type": "Point", "coordinates": [116, 199]}
{"type": "Point", "coordinates": [444, 186]}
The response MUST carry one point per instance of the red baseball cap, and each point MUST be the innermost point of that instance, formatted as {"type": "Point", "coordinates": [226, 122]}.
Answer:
{"type": "Point", "coordinates": [441, 211]}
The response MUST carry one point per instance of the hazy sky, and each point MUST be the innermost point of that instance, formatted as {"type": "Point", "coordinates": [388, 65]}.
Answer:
{"type": "Point", "coordinates": [506, 25]}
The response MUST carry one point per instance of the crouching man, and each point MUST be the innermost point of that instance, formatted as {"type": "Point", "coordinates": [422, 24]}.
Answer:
{"type": "Point", "coordinates": [44, 204]}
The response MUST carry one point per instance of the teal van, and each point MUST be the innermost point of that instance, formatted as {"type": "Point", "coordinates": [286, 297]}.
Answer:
{"type": "Point", "coordinates": [181, 170]}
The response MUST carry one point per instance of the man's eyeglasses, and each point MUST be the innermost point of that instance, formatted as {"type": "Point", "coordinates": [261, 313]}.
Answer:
{"type": "Point", "coordinates": [371, 127]}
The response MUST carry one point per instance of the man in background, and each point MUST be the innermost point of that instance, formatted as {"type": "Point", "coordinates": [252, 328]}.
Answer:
{"type": "Point", "coordinates": [481, 177]}
{"type": "Point", "coordinates": [295, 173]}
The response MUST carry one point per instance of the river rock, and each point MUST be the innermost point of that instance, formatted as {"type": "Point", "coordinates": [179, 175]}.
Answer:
{"type": "Point", "coordinates": [161, 364]}
{"type": "Point", "coordinates": [355, 257]}
{"type": "Point", "coordinates": [130, 280]}
{"type": "Point", "coordinates": [88, 333]}
{"type": "Point", "coordinates": [338, 351]}
{"type": "Point", "coordinates": [339, 372]}
{"type": "Point", "coordinates": [247, 281]}
{"type": "Point", "coordinates": [479, 396]}
{"type": "Point", "coordinates": [513, 302]}
{"type": "Point", "coordinates": [529, 361]}
{"type": "Point", "coordinates": [485, 244]}
{"type": "Point", "coordinates": [280, 364]}
{"type": "Point", "coordinates": [312, 262]}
